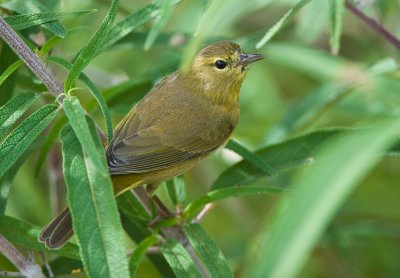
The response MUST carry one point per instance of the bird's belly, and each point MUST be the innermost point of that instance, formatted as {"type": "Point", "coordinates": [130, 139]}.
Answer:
{"type": "Point", "coordinates": [122, 183]}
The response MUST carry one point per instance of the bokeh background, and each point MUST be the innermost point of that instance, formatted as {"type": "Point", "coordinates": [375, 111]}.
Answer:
{"type": "Point", "coordinates": [363, 240]}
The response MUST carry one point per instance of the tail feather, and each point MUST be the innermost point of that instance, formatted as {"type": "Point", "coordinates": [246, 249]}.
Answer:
{"type": "Point", "coordinates": [55, 234]}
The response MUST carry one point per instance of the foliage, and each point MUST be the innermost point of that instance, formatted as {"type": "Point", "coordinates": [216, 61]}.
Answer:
{"type": "Point", "coordinates": [312, 166]}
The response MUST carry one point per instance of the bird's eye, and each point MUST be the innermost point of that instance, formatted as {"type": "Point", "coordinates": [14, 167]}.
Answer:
{"type": "Point", "coordinates": [220, 64]}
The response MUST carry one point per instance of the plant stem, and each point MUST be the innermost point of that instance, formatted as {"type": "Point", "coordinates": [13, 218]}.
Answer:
{"type": "Point", "coordinates": [25, 266]}
{"type": "Point", "coordinates": [29, 58]}
{"type": "Point", "coordinates": [373, 24]}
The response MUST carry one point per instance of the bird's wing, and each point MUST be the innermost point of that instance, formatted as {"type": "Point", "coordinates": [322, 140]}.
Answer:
{"type": "Point", "coordinates": [140, 147]}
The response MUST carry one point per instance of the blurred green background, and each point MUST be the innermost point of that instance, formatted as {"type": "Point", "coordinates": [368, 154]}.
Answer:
{"type": "Point", "coordinates": [363, 240]}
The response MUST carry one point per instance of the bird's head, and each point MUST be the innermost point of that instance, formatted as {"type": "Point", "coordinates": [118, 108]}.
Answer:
{"type": "Point", "coordinates": [222, 65]}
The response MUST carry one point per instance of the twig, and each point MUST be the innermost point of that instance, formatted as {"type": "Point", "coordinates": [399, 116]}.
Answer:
{"type": "Point", "coordinates": [25, 266]}
{"type": "Point", "coordinates": [203, 212]}
{"type": "Point", "coordinates": [29, 58]}
{"type": "Point", "coordinates": [373, 24]}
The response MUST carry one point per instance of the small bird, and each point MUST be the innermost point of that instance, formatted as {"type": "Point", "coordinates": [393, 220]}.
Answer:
{"type": "Point", "coordinates": [183, 119]}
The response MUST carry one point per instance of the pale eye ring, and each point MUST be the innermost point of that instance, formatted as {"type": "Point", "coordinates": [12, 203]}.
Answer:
{"type": "Point", "coordinates": [220, 64]}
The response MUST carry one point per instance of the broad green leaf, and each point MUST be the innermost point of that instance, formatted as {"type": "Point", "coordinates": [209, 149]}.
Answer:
{"type": "Point", "coordinates": [166, 9]}
{"type": "Point", "coordinates": [176, 190]}
{"type": "Point", "coordinates": [19, 140]}
{"type": "Point", "coordinates": [89, 51]}
{"type": "Point", "coordinates": [23, 21]}
{"type": "Point", "coordinates": [139, 253]}
{"type": "Point", "coordinates": [95, 93]}
{"type": "Point", "coordinates": [319, 193]}
{"type": "Point", "coordinates": [90, 196]}
{"type": "Point", "coordinates": [192, 208]}
{"type": "Point", "coordinates": [14, 109]}
{"type": "Point", "coordinates": [13, 67]}
{"type": "Point", "coordinates": [25, 234]}
{"type": "Point", "coordinates": [282, 22]}
{"type": "Point", "coordinates": [251, 157]}
{"type": "Point", "coordinates": [179, 259]}
{"type": "Point", "coordinates": [208, 251]}
{"type": "Point", "coordinates": [33, 6]}
{"type": "Point", "coordinates": [282, 157]}
{"type": "Point", "coordinates": [336, 10]}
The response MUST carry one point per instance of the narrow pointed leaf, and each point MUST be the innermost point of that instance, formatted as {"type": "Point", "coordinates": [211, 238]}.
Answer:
{"type": "Point", "coordinates": [208, 251]}
{"type": "Point", "coordinates": [336, 10]}
{"type": "Point", "coordinates": [179, 259]}
{"type": "Point", "coordinates": [14, 109]}
{"type": "Point", "coordinates": [251, 157]}
{"type": "Point", "coordinates": [23, 21]}
{"type": "Point", "coordinates": [139, 253]}
{"type": "Point", "coordinates": [89, 51]}
{"type": "Point", "coordinates": [281, 23]}
{"type": "Point", "coordinates": [19, 140]}
{"type": "Point", "coordinates": [165, 13]}
{"type": "Point", "coordinates": [34, 6]}
{"type": "Point", "coordinates": [192, 208]}
{"type": "Point", "coordinates": [90, 196]}
{"type": "Point", "coordinates": [13, 67]}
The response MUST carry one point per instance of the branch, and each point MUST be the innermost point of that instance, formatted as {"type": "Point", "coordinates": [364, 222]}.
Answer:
{"type": "Point", "coordinates": [30, 59]}
{"type": "Point", "coordinates": [373, 24]}
{"type": "Point", "coordinates": [25, 266]}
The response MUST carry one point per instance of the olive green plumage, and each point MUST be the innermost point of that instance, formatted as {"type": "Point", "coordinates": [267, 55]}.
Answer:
{"type": "Point", "coordinates": [184, 118]}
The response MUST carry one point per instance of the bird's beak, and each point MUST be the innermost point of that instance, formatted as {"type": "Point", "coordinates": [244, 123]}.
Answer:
{"type": "Point", "coordinates": [246, 59]}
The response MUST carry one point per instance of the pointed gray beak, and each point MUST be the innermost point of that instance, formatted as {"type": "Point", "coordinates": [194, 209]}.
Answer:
{"type": "Point", "coordinates": [246, 59]}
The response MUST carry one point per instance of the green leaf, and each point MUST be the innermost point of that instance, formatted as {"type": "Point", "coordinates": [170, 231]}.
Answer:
{"type": "Point", "coordinates": [251, 157]}
{"type": "Point", "coordinates": [25, 234]}
{"type": "Point", "coordinates": [192, 208]}
{"type": "Point", "coordinates": [283, 156]}
{"type": "Point", "coordinates": [19, 140]}
{"type": "Point", "coordinates": [63, 266]}
{"type": "Point", "coordinates": [95, 93]}
{"type": "Point", "coordinates": [176, 190]}
{"type": "Point", "coordinates": [23, 21]}
{"type": "Point", "coordinates": [282, 22]}
{"type": "Point", "coordinates": [179, 259]}
{"type": "Point", "coordinates": [165, 13]}
{"type": "Point", "coordinates": [33, 6]}
{"type": "Point", "coordinates": [208, 250]}
{"type": "Point", "coordinates": [51, 137]}
{"type": "Point", "coordinates": [90, 196]}
{"type": "Point", "coordinates": [13, 67]}
{"type": "Point", "coordinates": [7, 84]}
{"type": "Point", "coordinates": [336, 10]}
{"type": "Point", "coordinates": [89, 51]}
{"type": "Point", "coordinates": [129, 24]}
{"type": "Point", "coordinates": [306, 110]}
{"type": "Point", "coordinates": [320, 191]}
{"type": "Point", "coordinates": [14, 109]}
{"type": "Point", "coordinates": [135, 219]}
{"type": "Point", "coordinates": [139, 253]}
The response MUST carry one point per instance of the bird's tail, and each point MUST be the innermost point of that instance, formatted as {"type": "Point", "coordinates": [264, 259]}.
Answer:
{"type": "Point", "coordinates": [58, 231]}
